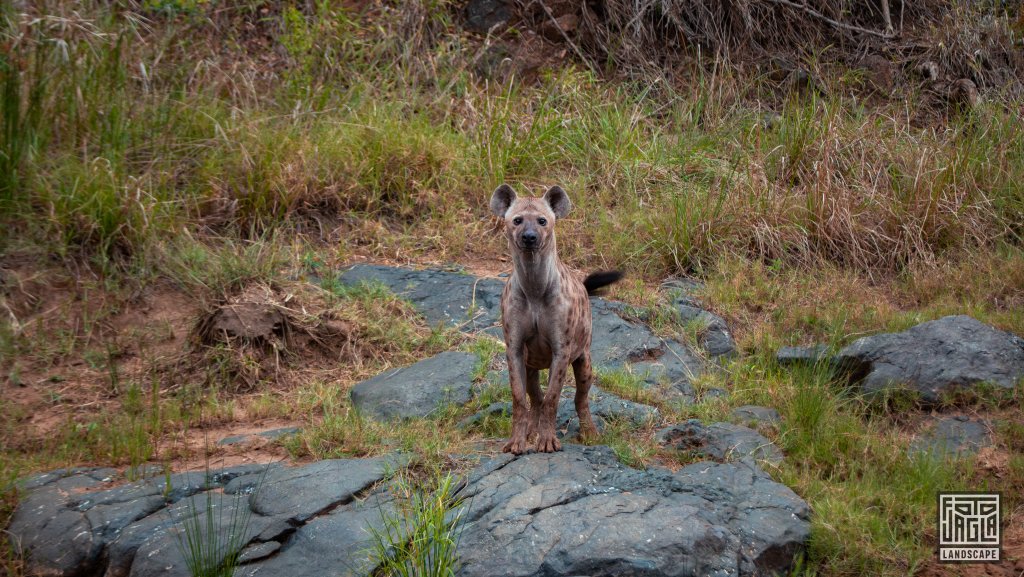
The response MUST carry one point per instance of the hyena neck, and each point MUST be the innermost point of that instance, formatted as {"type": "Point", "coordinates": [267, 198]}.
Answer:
{"type": "Point", "coordinates": [536, 274]}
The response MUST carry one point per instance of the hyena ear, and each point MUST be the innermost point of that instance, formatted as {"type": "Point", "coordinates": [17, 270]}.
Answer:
{"type": "Point", "coordinates": [558, 200]}
{"type": "Point", "coordinates": [502, 198]}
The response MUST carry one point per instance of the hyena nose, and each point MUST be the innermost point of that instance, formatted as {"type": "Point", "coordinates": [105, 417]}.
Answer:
{"type": "Point", "coordinates": [530, 238]}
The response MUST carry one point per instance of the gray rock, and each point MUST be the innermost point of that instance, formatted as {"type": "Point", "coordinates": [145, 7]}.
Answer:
{"type": "Point", "coordinates": [757, 415]}
{"type": "Point", "coordinates": [713, 335]}
{"type": "Point", "coordinates": [721, 441]}
{"type": "Point", "coordinates": [302, 492]}
{"type": "Point", "coordinates": [935, 357]}
{"type": "Point", "coordinates": [67, 525]}
{"type": "Point", "coordinates": [714, 393]}
{"type": "Point", "coordinates": [63, 524]}
{"type": "Point", "coordinates": [483, 15]}
{"type": "Point", "coordinates": [581, 512]}
{"type": "Point", "coordinates": [419, 389]}
{"type": "Point", "coordinates": [257, 551]}
{"type": "Point", "coordinates": [953, 437]}
{"type": "Point", "coordinates": [469, 303]}
{"type": "Point", "coordinates": [809, 356]}
{"type": "Point", "coordinates": [622, 344]}
{"type": "Point", "coordinates": [336, 544]}
{"type": "Point", "coordinates": [537, 514]}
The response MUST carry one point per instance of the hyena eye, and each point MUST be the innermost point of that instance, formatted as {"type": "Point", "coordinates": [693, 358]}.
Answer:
{"type": "Point", "coordinates": [517, 220]}
{"type": "Point", "coordinates": [542, 221]}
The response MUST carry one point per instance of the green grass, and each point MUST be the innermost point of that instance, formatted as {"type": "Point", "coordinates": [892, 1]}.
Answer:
{"type": "Point", "coordinates": [419, 536]}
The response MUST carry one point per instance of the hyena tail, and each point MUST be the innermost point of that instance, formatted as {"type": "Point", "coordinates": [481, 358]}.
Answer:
{"type": "Point", "coordinates": [600, 279]}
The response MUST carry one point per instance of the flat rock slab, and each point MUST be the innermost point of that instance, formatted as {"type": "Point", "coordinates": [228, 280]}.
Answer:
{"type": "Point", "coordinates": [581, 512]}
{"type": "Point", "coordinates": [721, 441]}
{"type": "Point", "coordinates": [453, 299]}
{"type": "Point", "coordinates": [604, 407]}
{"type": "Point", "coordinates": [576, 512]}
{"type": "Point", "coordinates": [417, 390]}
{"type": "Point", "coordinates": [753, 414]}
{"type": "Point", "coordinates": [935, 357]}
{"type": "Point", "coordinates": [953, 437]}
{"type": "Point", "coordinates": [473, 305]}
{"type": "Point", "coordinates": [69, 523]}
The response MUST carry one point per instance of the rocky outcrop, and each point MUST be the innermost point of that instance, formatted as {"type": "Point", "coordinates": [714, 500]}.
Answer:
{"type": "Point", "coordinates": [418, 390]}
{"type": "Point", "coordinates": [575, 512]}
{"type": "Point", "coordinates": [581, 512]}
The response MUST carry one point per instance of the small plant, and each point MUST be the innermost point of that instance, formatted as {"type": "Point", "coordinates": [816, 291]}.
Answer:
{"type": "Point", "coordinates": [420, 536]}
{"type": "Point", "coordinates": [214, 528]}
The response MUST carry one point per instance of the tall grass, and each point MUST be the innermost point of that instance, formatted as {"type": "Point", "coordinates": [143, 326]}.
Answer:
{"type": "Point", "coordinates": [420, 536]}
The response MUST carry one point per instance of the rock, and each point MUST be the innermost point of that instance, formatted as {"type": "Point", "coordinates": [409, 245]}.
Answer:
{"type": "Point", "coordinates": [622, 344]}
{"type": "Point", "coordinates": [953, 437]}
{"type": "Point", "coordinates": [338, 543]}
{"type": "Point", "coordinates": [419, 389]}
{"type": "Point", "coordinates": [555, 30]}
{"type": "Point", "coordinates": [791, 356]}
{"type": "Point", "coordinates": [748, 414]}
{"type": "Point", "coordinates": [935, 357]}
{"type": "Point", "coordinates": [581, 512]}
{"type": "Point", "coordinates": [722, 441]}
{"type": "Point", "coordinates": [714, 393]}
{"type": "Point", "coordinates": [459, 300]}
{"type": "Point", "coordinates": [604, 407]}
{"type": "Point", "coordinates": [302, 492]}
{"type": "Point", "coordinates": [257, 551]}
{"type": "Point", "coordinates": [618, 343]}
{"type": "Point", "coordinates": [68, 525]}
{"type": "Point", "coordinates": [532, 515]}
{"type": "Point", "coordinates": [713, 333]}
{"type": "Point", "coordinates": [483, 15]}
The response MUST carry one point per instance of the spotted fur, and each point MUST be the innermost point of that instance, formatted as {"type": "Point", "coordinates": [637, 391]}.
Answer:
{"type": "Point", "coordinates": [545, 312]}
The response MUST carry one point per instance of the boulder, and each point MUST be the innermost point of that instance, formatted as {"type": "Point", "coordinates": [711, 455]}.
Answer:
{"type": "Point", "coordinates": [581, 512]}
{"type": "Point", "coordinates": [417, 390]}
{"type": "Point", "coordinates": [935, 357]}
{"type": "Point", "coordinates": [720, 441]}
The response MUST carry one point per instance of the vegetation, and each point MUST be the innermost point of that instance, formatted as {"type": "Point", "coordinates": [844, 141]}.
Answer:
{"type": "Point", "coordinates": [159, 159]}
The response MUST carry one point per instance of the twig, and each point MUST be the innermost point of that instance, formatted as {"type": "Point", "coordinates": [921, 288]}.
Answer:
{"type": "Point", "coordinates": [836, 23]}
{"type": "Point", "coordinates": [568, 41]}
